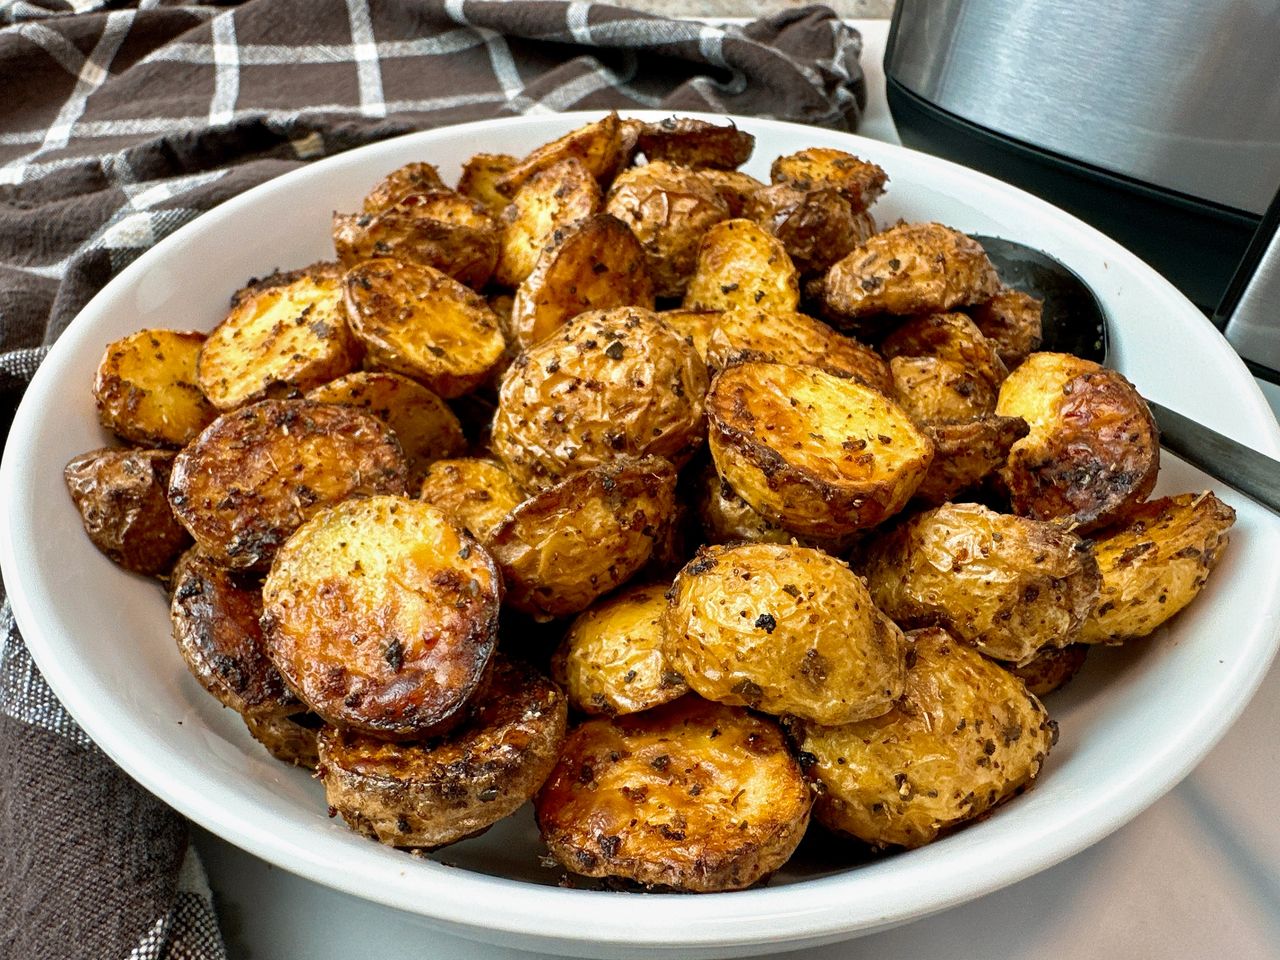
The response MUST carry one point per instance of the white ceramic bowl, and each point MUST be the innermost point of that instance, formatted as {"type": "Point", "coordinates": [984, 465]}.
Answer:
{"type": "Point", "coordinates": [1133, 724]}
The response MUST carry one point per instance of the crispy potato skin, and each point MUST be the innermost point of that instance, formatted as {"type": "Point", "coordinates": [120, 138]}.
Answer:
{"type": "Point", "coordinates": [479, 180]}
{"type": "Point", "coordinates": [146, 388]}
{"type": "Point", "coordinates": [556, 197]}
{"type": "Point", "coordinates": [254, 475]}
{"type": "Point", "coordinates": [734, 186]}
{"type": "Point", "coordinates": [950, 336]}
{"type": "Point", "coordinates": [692, 795]}
{"type": "Point", "coordinates": [215, 615]}
{"type": "Point", "coordinates": [478, 494]}
{"type": "Point", "coordinates": [694, 326]}
{"type": "Point", "coordinates": [967, 451]}
{"type": "Point", "coordinates": [1094, 449]}
{"type": "Point", "coordinates": [1155, 563]}
{"type": "Point", "coordinates": [399, 183]}
{"type": "Point", "coordinates": [1008, 585]}
{"type": "Point", "coordinates": [1051, 669]}
{"type": "Point", "coordinates": [819, 455]}
{"type": "Point", "coordinates": [783, 629]}
{"type": "Point", "coordinates": [818, 227]}
{"type": "Point", "coordinates": [121, 496]}
{"type": "Point", "coordinates": [1011, 319]}
{"type": "Point", "coordinates": [289, 739]}
{"type": "Point", "coordinates": [910, 268]}
{"type": "Point", "coordinates": [417, 321]}
{"type": "Point", "coordinates": [610, 661]}
{"type": "Point", "coordinates": [594, 264]}
{"type": "Point", "coordinates": [423, 423]}
{"type": "Point", "coordinates": [695, 143]}
{"type": "Point", "coordinates": [965, 737]}
{"type": "Point", "coordinates": [934, 389]}
{"type": "Point", "coordinates": [381, 615]}
{"type": "Point", "coordinates": [611, 383]}
{"type": "Point", "coordinates": [740, 264]}
{"type": "Point", "coordinates": [668, 208]}
{"type": "Point", "coordinates": [598, 146]}
{"type": "Point", "coordinates": [859, 181]}
{"type": "Point", "coordinates": [284, 335]}
{"type": "Point", "coordinates": [577, 540]}
{"type": "Point", "coordinates": [727, 518]}
{"type": "Point", "coordinates": [431, 793]}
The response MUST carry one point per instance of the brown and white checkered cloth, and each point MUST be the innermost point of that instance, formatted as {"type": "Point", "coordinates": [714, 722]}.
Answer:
{"type": "Point", "coordinates": [121, 122]}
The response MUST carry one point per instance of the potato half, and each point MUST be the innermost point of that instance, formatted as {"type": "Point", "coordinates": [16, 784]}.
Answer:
{"type": "Point", "coordinates": [740, 264]}
{"type": "Point", "coordinates": [414, 177]}
{"type": "Point", "coordinates": [1010, 319]}
{"type": "Point", "coordinates": [290, 739]}
{"type": "Point", "coordinates": [381, 615]}
{"type": "Point", "coordinates": [146, 388]}
{"type": "Point", "coordinates": [934, 389]}
{"type": "Point", "coordinates": [861, 182]}
{"type": "Point", "coordinates": [479, 180]}
{"type": "Point", "coordinates": [783, 629]}
{"type": "Point", "coordinates": [820, 455]}
{"type": "Point", "coordinates": [597, 145]}
{"type": "Point", "coordinates": [949, 336]}
{"type": "Point", "coordinates": [549, 200]}
{"type": "Point", "coordinates": [966, 453]}
{"type": "Point", "coordinates": [695, 143]}
{"type": "Point", "coordinates": [692, 795]}
{"type": "Point", "coordinates": [818, 227]}
{"type": "Point", "coordinates": [478, 494]}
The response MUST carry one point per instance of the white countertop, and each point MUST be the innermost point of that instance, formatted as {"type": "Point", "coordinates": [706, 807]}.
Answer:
{"type": "Point", "coordinates": [1197, 875]}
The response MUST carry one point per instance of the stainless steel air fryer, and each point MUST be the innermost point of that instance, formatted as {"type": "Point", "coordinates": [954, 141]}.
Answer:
{"type": "Point", "coordinates": [1156, 120]}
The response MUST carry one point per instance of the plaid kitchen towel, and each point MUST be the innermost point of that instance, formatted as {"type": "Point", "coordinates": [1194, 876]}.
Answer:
{"type": "Point", "coordinates": [121, 122]}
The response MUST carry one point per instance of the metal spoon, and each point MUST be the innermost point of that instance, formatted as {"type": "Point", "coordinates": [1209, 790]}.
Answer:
{"type": "Point", "coordinates": [1074, 322]}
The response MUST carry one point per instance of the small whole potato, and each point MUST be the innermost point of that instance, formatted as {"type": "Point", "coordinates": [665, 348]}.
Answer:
{"type": "Point", "coordinates": [612, 383]}
{"type": "Point", "coordinates": [860, 181]}
{"type": "Point", "coordinates": [783, 629]}
{"type": "Point", "coordinates": [818, 227]}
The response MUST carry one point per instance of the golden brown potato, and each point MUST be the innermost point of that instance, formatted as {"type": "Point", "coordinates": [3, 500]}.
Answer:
{"type": "Point", "coordinates": [1094, 449]}
{"type": "Point", "coordinates": [910, 268]}
{"type": "Point", "coordinates": [1155, 564]}
{"type": "Point", "coordinates": [121, 496]}
{"type": "Point", "coordinates": [949, 336]}
{"type": "Point", "coordinates": [215, 615]}
{"type": "Point", "coordinates": [428, 794]}
{"type": "Point", "coordinates": [551, 199]}
{"type": "Point", "coordinates": [612, 383]}
{"type": "Point", "coordinates": [965, 737]}
{"type": "Point", "coordinates": [727, 518]}
{"type": "Point", "coordinates": [859, 181]}
{"type": "Point", "coordinates": [817, 454]}
{"type": "Point", "coordinates": [1050, 669]}
{"type": "Point", "coordinates": [668, 208]}
{"type": "Point", "coordinates": [934, 390]}
{"type": "Point", "coordinates": [1011, 319]}
{"type": "Point", "coordinates": [479, 180]}
{"type": "Point", "coordinates": [694, 325]}
{"type": "Point", "coordinates": [1008, 585]}
{"type": "Point", "coordinates": [423, 423]}
{"type": "Point", "coordinates": [611, 661]}
{"type": "Point", "coordinates": [695, 143]}
{"type": "Point", "coordinates": [783, 629]}
{"type": "Point", "coordinates": [965, 453]}
{"type": "Point", "coordinates": [692, 795]}
{"type": "Point", "coordinates": [734, 186]}
{"type": "Point", "coordinates": [740, 264]}
{"type": "Point", "coordinates": [399, 183]}
{"type": "Point", "coordinates": [437, 228]}
{"type": "Point", "coordinates": [477, 494]}
{"type": "Point", "coordinates": [818, 227]}
{"type": "Point", "coordinates": [285, 334]}
{"type": "Point", "coordinates": [598, 145]}
{"type": "Point", "coordinates": [416, 321]}
{"type": "Point", "coordinates": [793, 338]}
{"type": "Point", "coordinates": [595, 264]}
{"type": "Point", "coordinates": [146, 388]}
{"type": "Point", "coordinates": [254, 475]}
{"type": "Point", "coordinates": [381, 615]}
{"type": "Point", "coordinates": [289, 739]}
{"type": "Point", "coordinates": [577, 540]}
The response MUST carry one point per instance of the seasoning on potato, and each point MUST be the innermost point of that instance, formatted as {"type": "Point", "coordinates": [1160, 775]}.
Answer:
{"type": "Point", "coordinates": [598, 146]}
{"type": "Point", "coordinates": [1012, 320]}
{"type": "Point", "coordinates": [146, 388]}
{"type": "Point", "coordinates": [478, 494]}
{"type": "Point", "coordinates": [479, 180]}
{"type": "Point", "coordinates": [937, 390]}
{"type": "Point", "coordinates": [740, 264]}
{"type": "Point", "coordinates": [695, 143]}
{"type": "Point", "coordinates": [551, 199]}
{"type": "Point", "coordinates": [858, 181]}
{"type": "Point", "coordinates": [817, 227]}
{"type": "Point", "coordinates": [949, 336]}
{"type": "Point", "coordinates": [415, 177]}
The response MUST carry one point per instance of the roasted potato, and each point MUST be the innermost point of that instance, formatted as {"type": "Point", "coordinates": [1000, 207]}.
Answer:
{"type": "Point", "coordinates": [694, 325]}
{"type": "Point", "coordinates": [858, 181]}
{"type": "Point", "coordinates": [1008, 585]}
{"type": "Point", "coordinates": [949, 336]}
{"type": "Point", "coordinates": [934, 390]}
{"type": "Point", "coordinates": [253, 476]}
{"type": "Point", "coordinates": [1051, 668]}
{"type": "Point", "coordinates": [121, 496]}
{"type": "Point", "coordinates": [612, 383]}
{"type": "Point", "coordinates": [695, 143]}
{"type": "Point", "coordinates": [285, 334]}
{"type": "Point", "coordinates": [595, 264]}
{"type": "Point", "coordinates": [577, 540]}
{"type": "Point", "coordinates": [477, 494]}
{"type": "Point", "coordinates": [598, 145]}
{"type": "Point", "coordinates": [146, 388]}
{"type": "Point", "coordinates": [399, 183]}
{"type": "Point", "coordinates": [289, 739]}
{"type": "Point", "coordinates": [1155, 563]}
{"type": "Point", "coordinates": [734, 186]}
{"type": "Point", "coordinates": [740, 264]}
{"type": "Point", "coordinates": [215, 615]}
{"type": "Point", "coordinates": [551, 199]}
{"type": "Point", "coordinates": [784, 629]}
{"type": "Point", "coordinates": [727, 518]}
{"type": "Point", "coordinates": [1011, 320]}
{"type": "Point", "coordinates": [1094, 449]}
{"type": "Point", "coordinates": [817, 454]}
{"type": "Point", "coordinates": [436, 228]}
{"type": "Point", "coordinates": [669, 209]}
{"type": "Point", "coordinates": [416, 321]}
{"type": "Point", "coordinates": [692, 795]}
{"type": "Point", "coordinates": [381, 614]}
{"type": "Point", "coordinates": [479, 180]}
{"type": "Point", "coordinates": [611, 661]}
{"type": "Point", "coordinates": [966, 453]}
{"type": "Point", "coordinates": [432, 793]}
{"type": "Point", "coordinates": [818, 227]}
{"type": "Point", "coordinates": [965, 737]}
{"type": "Point", "coordinates": [910, 268]}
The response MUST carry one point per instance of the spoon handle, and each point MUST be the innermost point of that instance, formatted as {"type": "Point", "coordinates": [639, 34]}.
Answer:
{"type": "Point", "coordinates": [1233, 463]}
